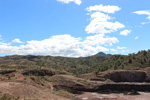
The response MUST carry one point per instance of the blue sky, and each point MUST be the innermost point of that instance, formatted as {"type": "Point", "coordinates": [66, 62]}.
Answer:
{"type": "Point", "coordinates": [73, 28]}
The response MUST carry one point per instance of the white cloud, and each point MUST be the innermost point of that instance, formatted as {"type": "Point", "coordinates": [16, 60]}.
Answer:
{"type": "Point", "coordinates": [100, 39]}
{"type": "Point", "coordinates": [148, 17]}
{"type": "Point", "coordinates": [114, 50]}
{"type": "Point", "coordinates": [17, 41]}
{"type": "Point", "coordinates": [136, 38]}
{"type": "Point", "coordinates": [100, 24]}
{"type": "Point", "coordinates": [78, 2]}
{"type": "Point", "coordinates": [118, 47]}
{"type": "Point", "coordinates": [143, 12]}
{"type": "Point", "coordinates": [125, 32]}
{"type": "Point", "coordinates": [106, 9]}
{"type": "Point", "coordinates": [59, 45]}
{"type": "Point", "coordinates": [2, 43]}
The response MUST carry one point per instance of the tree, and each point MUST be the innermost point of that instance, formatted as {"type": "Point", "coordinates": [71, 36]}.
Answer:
{"type": "Point", "coordinates": [130, 61]}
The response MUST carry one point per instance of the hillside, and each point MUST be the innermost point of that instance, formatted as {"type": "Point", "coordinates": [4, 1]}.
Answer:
{"type": "Point", "coordinates": [81, 65]}
{"type": "Point", "coordinates": [73, 65]}
{"type": "Point", "coordinates": [126, 62]}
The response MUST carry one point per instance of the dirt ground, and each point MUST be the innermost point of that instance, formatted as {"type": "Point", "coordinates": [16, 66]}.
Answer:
{"type": "Point", "coordinates": [27, 91]}
{"type": "Point", "coordinates": [113, 96]}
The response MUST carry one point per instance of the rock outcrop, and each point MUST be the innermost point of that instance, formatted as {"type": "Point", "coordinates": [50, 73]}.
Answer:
{"type": "Point", "coordinates": [73, 84]}
{"type": "Point", "coordinates": [126, 76]}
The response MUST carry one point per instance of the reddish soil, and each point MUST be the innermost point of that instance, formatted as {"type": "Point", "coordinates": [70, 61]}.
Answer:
{"type": "Point", "coordinates": [21, 78]}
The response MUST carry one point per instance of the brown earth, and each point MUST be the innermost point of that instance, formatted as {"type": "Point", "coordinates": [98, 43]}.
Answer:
{"type": "Point", "coordinates": [21, 78]}
{"type": "Point", "coordinates": [113, 96]}
{"type": "Point", "coordinates": [23, 90]}
{"type": "Point", "coordinates": [45, 87]}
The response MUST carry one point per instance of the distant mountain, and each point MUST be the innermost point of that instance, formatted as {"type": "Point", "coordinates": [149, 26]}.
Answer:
{"type": "Point", "coordinates": [103, 54]}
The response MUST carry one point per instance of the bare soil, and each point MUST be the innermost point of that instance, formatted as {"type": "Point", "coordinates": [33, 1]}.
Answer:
{"type": "Point", "coordinates": [23, 90]}
{"type": "Point", "coordinates": [113, 96]}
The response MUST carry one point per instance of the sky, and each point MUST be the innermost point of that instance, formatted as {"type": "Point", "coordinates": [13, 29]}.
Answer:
{"type": "Point", "coordinates": [73, 28]}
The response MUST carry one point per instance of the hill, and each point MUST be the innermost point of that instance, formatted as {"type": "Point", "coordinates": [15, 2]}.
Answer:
{"type": "Point", "coordinates": [126, 62]}
{"type": "Point", "coordinates": [103, 54]}
{"type": "Point", "coordinates": [72, 65]}
{"type": "Point", "coordinates": [81, 65]}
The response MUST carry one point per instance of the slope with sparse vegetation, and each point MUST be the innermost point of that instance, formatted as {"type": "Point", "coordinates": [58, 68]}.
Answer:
{"type": "Point", "coordinates": [126, 62]}
{"type": "Point", "coordinates": [72, 65]}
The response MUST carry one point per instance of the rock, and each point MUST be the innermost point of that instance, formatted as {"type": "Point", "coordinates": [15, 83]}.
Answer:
{"type": "Point", "coordinates": [126, 76]}
{"type": "Point", "coordinates": [72, 84]}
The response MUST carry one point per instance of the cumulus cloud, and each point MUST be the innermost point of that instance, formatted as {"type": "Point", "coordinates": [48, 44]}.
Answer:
{"type": "Point", "coordinates": [17, 41]}
{"type": "Point", "coordinates": [106, 9]}
{"type": "Point", "coordinates": [100, 22]}
{"type": "Point", "coordinates": [78, 2]}
{"type": "Point", "coordinates": [100, 39]}
{"type": "Point", "coordinates": [125, 32]}
{"type": "Point", "coordinates": [59, 45]}
{"type": "Point", "coordinates": [143, 12]}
